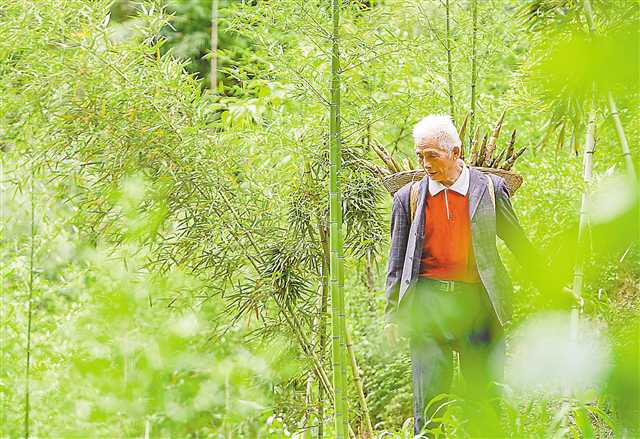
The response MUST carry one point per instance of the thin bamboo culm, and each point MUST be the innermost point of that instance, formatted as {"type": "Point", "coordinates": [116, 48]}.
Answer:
{"type": "Point", "coordinates": [322, 329]}
{"type": "Point", "coordinates": [27, 391]}
{"type": "Point", "coordinates": [586, 177]}
{"type": "Point", "coordinates": [449, 63]}
{"type": "Point", "coordinates": [213, 74]}
{"type": "Point", "coordinates": [336, 284]}
{"type": "Point", "coordinates": [622, 137]}
{"type": "Point", "coordinates": [474, 67]}
{"type": "Point", "coordinates": [359, 385]}
{"type": "Point", "coordinates": [578, 273]}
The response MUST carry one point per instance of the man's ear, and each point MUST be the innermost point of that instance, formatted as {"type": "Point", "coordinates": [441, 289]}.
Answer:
{"type": "Point", "coordinates": [455, 152]}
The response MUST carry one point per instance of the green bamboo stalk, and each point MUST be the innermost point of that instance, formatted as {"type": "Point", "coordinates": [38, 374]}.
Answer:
{"type": "Point", "coordinates": [589, 13]}
{"type": "Point", "coordinates": [227, 406]}
{"type": "Point", "coordinates": [474, 63]}
{"type": "Point", "coordinates": [213, 81]}
{"type": "Point", "coordinates": [622, 137]}
{"type": "Point", "coordinates": [308, 399]}
{"type": "Point", "coordinates": [336, 285]}
{"type": "Point", "coordinates": [27, 406]}
{"type": "Point", "coordinates": [322, 327]}
{"type": "Point", "coordinates": [147, 429]}
{"type": "Point", "coordinates": [449, 64]}
{"type": "Point", "coordinates": [578, 273]}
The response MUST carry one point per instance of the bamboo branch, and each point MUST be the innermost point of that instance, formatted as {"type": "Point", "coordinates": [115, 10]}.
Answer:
{"type": "Point", "coordinates": [27, 392]}
{"type": "Point", "coordinates": [160, 113]}
{"type": "Point", "coordinates": [288, 314]}
{"type": "Point", "coordinates": [621, 136]}
{"type": "Point", "coordinates": [213, 78]}
{"type": "Point", "coordinates": [474, 62]}
{"type": "Point", "coordinates": [293, 322]}
{"type": "Point", "coordinates": [358, 382]}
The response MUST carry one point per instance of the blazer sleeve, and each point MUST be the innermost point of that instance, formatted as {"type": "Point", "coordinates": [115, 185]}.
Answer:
{"type": "Point", "coordinates": [399, 236]}
{"type": "Point", "coordinates": [509, 230]}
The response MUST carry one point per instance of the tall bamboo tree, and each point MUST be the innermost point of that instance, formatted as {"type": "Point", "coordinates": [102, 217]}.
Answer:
{"type": "Point", "coordinates": [336, 284]}
{"type": "Point", "coordinates": [213, 74]}
{"type": "Point", "coordinates": [474, 66]}
{"type": "Point", "coordinates": [622, 137]}
{"type": "Point", "coordinates": [27, 392]}
{"type": "Point", "coordinates": [449, 64]}
{"type": "Point", "coordinates": [586, 177]}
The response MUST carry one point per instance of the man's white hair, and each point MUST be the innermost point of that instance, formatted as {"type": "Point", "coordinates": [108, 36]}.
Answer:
{"type": "Point", "coordinates": [437, 127]}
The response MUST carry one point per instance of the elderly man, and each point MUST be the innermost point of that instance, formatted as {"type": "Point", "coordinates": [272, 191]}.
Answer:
{"type": "Point", "coordinates": [446, 282]}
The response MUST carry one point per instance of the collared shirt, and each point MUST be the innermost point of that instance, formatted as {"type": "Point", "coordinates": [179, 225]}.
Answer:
{"type": "Point", "coordinates": [461, 186]}
{"type": "Point", "coordinates": [447, 251]}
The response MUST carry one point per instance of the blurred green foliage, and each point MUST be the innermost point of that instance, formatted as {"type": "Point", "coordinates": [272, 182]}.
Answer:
{"type": "Point", "coordinates": [173, 226]}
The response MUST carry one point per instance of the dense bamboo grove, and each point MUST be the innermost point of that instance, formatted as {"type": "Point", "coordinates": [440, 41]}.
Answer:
{"type": "Point", "coordinates": [194, 241]}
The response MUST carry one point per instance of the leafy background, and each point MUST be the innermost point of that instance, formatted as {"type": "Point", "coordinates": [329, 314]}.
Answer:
{"type": "Point", "coordinates": [160, 234]}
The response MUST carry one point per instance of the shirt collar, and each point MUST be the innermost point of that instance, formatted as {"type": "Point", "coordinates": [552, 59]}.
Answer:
{"type": "Point", "coordinates": [460, 186]}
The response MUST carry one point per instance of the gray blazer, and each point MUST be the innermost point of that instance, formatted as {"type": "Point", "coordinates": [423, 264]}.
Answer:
{"type": "Point", "coordinates": [406, 242]}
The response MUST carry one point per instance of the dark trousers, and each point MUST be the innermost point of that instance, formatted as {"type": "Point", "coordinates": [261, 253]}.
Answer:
{"type": "Point", "coordinates": [443, 321]}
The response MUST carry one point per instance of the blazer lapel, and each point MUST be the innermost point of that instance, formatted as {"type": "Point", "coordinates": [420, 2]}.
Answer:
{"type": "Point", "coordinates": [416, 233]}
{"type": "Point", "coordinates": [477, 186]}
{"type": "Point", "coordinates": [422, 197]}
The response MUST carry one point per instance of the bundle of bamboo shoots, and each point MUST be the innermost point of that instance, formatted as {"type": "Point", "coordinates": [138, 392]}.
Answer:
{"type": "Point", "coordinates": [484, 156]}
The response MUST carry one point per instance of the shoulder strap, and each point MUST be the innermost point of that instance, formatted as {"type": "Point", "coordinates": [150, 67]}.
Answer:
{"type": "Point", "coordinates": [413, 200]}
{"type": "Point", "coordinates": [492, 191]}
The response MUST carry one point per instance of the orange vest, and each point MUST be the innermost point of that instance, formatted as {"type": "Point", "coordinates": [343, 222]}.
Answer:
{"type": "Point", "coordinates": [447, 253]}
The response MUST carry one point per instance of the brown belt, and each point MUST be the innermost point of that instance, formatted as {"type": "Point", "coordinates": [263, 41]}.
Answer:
{"type": "Point", "coordinates": [449, 285]}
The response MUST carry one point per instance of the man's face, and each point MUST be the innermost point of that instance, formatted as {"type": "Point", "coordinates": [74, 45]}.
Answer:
{"type": "Point", "coordinates": [435, 159]}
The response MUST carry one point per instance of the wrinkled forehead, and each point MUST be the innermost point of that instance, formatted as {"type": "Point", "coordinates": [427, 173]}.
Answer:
{"type": "Point", "coordinates": [429, 144]}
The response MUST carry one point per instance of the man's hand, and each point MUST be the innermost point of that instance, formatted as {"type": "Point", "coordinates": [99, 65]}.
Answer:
{"type": "Point", "coordinates": [391, 334]}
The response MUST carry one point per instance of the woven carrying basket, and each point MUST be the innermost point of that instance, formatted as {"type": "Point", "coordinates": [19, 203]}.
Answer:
{"type": "Point", "coordinates": [395, 181]}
